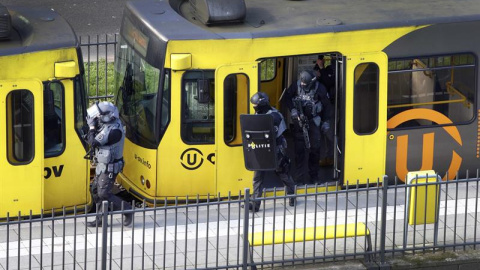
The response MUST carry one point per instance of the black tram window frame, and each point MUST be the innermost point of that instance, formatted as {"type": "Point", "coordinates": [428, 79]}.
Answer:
{"type": "Point", "coordinates": [234, 129]}
{"type": "Point", "coordinates": [63, 129]}
{"type": "Point", "coordinates": [274, 69]}
{"type": "Point", "coordinates": [10, 129]}
{"type": "Point", "coordinates": [183, 122]}
{"type": "Point", "coordinates": [475, 83]}
{"type": "Point", "coordinates": [357, 106]}
{"type": "Point", "coordinates": [80, 99]}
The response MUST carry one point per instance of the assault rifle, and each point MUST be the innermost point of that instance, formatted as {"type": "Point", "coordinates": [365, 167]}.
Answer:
{"type": "Point", "coordinates": [302, 120]}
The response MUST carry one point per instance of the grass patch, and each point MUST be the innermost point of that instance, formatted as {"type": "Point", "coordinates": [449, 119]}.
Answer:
{"type": "Point", "coordinates": [100, 79]}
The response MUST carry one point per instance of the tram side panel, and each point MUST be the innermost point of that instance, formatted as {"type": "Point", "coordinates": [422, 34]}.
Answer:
{"type": "Point", "coordinates": [432, 108]}
{"type": "Point", "coordinates": [65, 172]}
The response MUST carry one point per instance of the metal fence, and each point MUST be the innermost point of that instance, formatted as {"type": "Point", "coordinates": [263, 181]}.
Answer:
{"type": "Point", "coordinates": [371, 223]}
{"type": "Point", "coordinates": [98, 56]}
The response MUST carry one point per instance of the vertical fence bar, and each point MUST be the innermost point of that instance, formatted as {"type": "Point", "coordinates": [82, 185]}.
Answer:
{"type": "Point", "coordinates": [346, 222]}
{"type": "Point", "coordinates": [196, 231]}
{"type": "Point", "coordinates": [19, 218]}
{"type": "Point", "coordinates": [476, 210]}
{"type": "Point", "coordinates": [238, 225]}
{"type": "Point", "coordinates": [394, 215]}
{"type": "Point", "coordinates": [133, 233]}
{"type": "Point", "coordinates": [218, 229]}
{"type": "Point", "coordinates": [63, 235]}
{"type": "Point", "coordinates": [110, 259]}
{"type": "Point", "coordinates": [121, 238]}
{"type": "Point", "coordinates": [245, 230]}
{"type": "Point", "coordinates": [75, 236]}
{"type": "Point", "coordinates": [143, 234]}
{"type": "Point", "coordinates": [456, 215]}
{"type": "Point", "coordinates": [186, 232]}
{"type": "Point", "coordinates": [425, 203]}
{"type": "Point", "coordinates": [175, 234]}
{"type": "Point", "coordinates": [165, 234]}
{"type": "Point", "coordinates": [104, 234]}
{"type": "Point", "coordinates": [445, 213]}
{"type": "Point", "coordinates": [466, 212]}
{"type": "Point", "coordinates": [263, 226]}
{"type": "Point", "coordinates": [228, 227]}
{"type": "Point", "coordinates": [356, 218]}
{"type": "Point", "coordinates": [154, 227]}
{"type": "Point", "coordinates": [53, 242]}
{"type": "Point", "coordinates": [208, 228]}
{"type": "Point", "coordinates": [315, 222]}
{"type": "Point", "coordinates": [30, 241]}
{"type": "Point", "coordinates": [274, 219]}
{"type": "Point", "coordinates": [325, 225]}
{"type": "Point", "coordinates": [366, 210]}
{"type": "Point", "coordinates": [377, 189]}
{"type": "Point", "coordinates": [383, 228]}
{"type": "Point", "coordinates": [304, 221]}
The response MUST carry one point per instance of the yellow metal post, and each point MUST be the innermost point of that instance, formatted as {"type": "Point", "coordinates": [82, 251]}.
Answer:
{"type": "Point", "coordinates": [423, 199]}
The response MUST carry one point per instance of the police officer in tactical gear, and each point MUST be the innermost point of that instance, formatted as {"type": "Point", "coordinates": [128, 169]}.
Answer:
{"type": "Point", "coordinates": [306, 99]}
{"type": "Point", "coordinates": [261, 104]}
{"type": "Point", "coordinates": [106, 136]}
{"type": "Point", "coordinates": [326, 76]}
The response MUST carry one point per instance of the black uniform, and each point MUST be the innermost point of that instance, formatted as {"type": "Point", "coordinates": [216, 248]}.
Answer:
{"type": "Point", "coordinates": [283, 170]}
{"type": "Point", "coordinates": [261, 105]}
{"type": "Point", "coordinates": [326, 76]}
{"type": "Point", "coordinates": [314, 98]}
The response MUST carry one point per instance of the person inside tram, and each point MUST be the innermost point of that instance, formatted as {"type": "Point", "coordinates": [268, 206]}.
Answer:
{"type": "Point", "coordinates": [305, 99]}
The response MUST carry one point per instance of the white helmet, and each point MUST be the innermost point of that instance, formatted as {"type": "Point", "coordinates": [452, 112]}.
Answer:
{"type": "Point", "coordinates": [105, 111]}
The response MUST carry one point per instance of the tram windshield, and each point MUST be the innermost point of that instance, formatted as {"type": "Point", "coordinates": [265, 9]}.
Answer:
{"type": "Point", "coordinates": [137, 83]}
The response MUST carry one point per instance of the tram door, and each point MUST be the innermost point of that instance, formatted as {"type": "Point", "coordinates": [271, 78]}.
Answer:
{"type": "Point", "coordinates": [21, 148]}
{"type": "Point", "coordinates": [235, 84]}
{"type": "Point", "coordinates": [365, 117]}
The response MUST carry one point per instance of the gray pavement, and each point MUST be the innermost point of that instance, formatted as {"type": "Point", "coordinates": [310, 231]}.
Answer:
{"type": "Point", "coordinates": [201, 236]}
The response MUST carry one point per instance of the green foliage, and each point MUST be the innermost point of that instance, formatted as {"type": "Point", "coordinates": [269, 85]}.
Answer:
{"type": "Point", "coordinates": [100, 83]}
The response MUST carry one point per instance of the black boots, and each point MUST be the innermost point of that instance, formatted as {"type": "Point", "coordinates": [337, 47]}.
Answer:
{"type": "Point", "coordinates": [292, 201]}
{"type": "Point", "coordinates": [127, 220]}
{"type": "Point", "coordinates": [95, 223]}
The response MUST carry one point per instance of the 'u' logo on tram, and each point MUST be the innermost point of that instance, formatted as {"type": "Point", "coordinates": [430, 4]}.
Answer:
{"type": "Point", "coordinates": [428, 141]}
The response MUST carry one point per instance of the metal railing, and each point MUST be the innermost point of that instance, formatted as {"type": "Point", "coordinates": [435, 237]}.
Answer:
{"type": "Point", "coordinates": [98, 56]}
{"type": "Point", "coordinates": [220, 234]}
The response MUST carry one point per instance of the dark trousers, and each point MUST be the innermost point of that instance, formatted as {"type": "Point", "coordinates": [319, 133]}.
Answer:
{"type": "Point", "coordinates": [301, 153]}
{"type": "Point", "coordinates": [102, 191]}
{"type": "Point", "coordinates": [258, 178]}
{"type": "Point", "coordinates": [326, 148]}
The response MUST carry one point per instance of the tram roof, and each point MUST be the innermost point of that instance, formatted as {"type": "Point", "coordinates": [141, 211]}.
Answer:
{"type": "Point", "coordinates": [36, 29]}
{"type": "Point", "coordinates": [286, 18]}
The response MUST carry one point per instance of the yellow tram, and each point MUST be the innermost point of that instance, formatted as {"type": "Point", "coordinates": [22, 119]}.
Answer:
{"type": "Point", "coordinates": [405, 93]}
{"type": "Point", "coordinates": [43, 109]}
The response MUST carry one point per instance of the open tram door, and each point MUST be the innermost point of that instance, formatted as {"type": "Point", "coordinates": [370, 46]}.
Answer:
{"type": "Point", "coordinates": [365, 117]}
{"type": "Point", "coordinates": [235, 84]}
{"type": "Point", "coordinates": [21, 151]}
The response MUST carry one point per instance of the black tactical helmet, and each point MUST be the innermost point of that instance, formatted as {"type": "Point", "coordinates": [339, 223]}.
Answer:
{"type": "Point", "coordinates": [260, 99]}
{"type": "Point", "coordinates": [306, 77]}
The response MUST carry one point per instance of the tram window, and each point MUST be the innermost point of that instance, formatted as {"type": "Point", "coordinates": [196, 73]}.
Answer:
{"type": "Point", "coordinates": [235, 103]}
{"type": "Point", "coordinates": [80, 106]}
{"type": "Point", "coordinates": [20, 128]}
{"type": "Point", "coordinates": [445, 84]}
{"type": "Point", "coordinates": [198, 107]}
{"type": "Point", "coordinates": [268, 69]}
{"type": "Point", "coordinates": [53, 120]}
{"type": "Point", "coordinates": [365, 99]}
